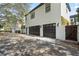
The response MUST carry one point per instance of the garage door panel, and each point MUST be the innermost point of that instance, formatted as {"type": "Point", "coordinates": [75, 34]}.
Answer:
{"type": "Point", "coordinates": [49, 30]}
{"type": "Point", "coordinates": [35, 30]}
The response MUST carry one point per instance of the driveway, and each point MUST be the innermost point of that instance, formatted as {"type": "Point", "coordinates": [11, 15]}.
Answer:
{"type": "Point", "coordinates": [12, 44]}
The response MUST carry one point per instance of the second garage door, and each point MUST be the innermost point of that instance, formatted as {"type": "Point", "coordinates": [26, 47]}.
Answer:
{"type": "Point", "coordinates": [49, 30]}
{"type": "Point", "coordinates": [34, 30]}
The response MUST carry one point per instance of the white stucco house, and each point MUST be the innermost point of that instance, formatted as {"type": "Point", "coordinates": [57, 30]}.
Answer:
{"type": "Point", "coordinates": [48, 20]}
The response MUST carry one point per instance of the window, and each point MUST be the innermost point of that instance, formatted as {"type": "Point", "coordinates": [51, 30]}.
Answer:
{"type": "Point", "coordinates": [47, 7]}
{"type": "Point", "coordinates": [32, 15]}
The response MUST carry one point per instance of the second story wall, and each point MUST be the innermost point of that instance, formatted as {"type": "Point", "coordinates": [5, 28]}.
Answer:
{"type": "Point", "coordinates": [65, 12]}
{"type": "Point", "coordinates": [41, 17]}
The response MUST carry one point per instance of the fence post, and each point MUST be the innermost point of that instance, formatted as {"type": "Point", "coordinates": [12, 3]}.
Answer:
{"type": "Point", "coordinates": [78, 33]}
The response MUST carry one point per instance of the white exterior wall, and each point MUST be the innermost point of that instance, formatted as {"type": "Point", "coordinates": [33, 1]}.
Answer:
{"type": "Point", "coordinates": [65, 11]}
{"type": "Point", "coordinates": [41, 17]}
{"type": "Point", "coordinates": [27, 30]}
{"type": "Point", "coordinates": [60, 32]}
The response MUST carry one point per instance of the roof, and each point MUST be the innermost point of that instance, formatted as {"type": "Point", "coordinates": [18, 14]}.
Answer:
{"type": "Point", "coordinates": [72, 16]}
{"type": "Point", "coordinates": [68, 6]}
{"type": "Point", "coordinates": [35, 8]}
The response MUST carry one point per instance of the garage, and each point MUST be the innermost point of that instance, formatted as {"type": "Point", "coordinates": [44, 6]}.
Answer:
{"type": "Point", "coordinates": [49, 30]}
{"type": "Point", "coordinates": [34, 30]}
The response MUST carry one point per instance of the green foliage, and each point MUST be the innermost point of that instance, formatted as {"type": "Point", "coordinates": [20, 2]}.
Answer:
{"type": "Point", "coordinates": [1, 26]}
{"type": "Point", "coordinates": [77, 14]}
{"type": "Point", "coordinates": [13, 12]}
{"type": "Point", "coordinates": [64, 21]}
{"type": "Point", "coordinates": [23, 27]}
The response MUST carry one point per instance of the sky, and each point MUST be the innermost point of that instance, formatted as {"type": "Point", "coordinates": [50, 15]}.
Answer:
{"type": "Point", "coordinates": [73, 7]}
{"type": "Point", "coordinates": [33, 5]}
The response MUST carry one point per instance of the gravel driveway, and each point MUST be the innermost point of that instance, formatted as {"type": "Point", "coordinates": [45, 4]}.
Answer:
{"type": "Point", "coordinates": [12, 44]}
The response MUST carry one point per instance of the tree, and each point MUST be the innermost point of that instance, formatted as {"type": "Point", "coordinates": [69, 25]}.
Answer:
{"type": "Point", "coordinates": [13, 12]}
{"type": "Point", "coordinates": [77, 14]}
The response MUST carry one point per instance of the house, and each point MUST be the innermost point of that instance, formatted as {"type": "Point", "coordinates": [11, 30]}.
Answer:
{"type": "Point", "coordinates": [17, 27]}
{"type": "Point", "coordinates": [74, 20]}
{"type": "Point", "coordinates": [45, 19]}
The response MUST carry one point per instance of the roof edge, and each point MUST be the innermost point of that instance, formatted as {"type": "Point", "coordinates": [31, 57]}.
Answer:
{"type": "Point", "coordinates": [68, 6]}
{"type": "Point", "coordinates": [35, 8]}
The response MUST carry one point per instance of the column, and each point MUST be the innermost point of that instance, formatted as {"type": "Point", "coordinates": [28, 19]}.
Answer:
{"type": "Point", "coordinates": [27, 30]}
{"type": "Point", "coordinates": [41, 30]}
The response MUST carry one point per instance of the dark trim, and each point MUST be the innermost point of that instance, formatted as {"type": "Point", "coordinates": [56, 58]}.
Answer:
{"type": "Point", "coordinates": [35, 8]}
{"type": "Point", "coordinates": [68, 6]}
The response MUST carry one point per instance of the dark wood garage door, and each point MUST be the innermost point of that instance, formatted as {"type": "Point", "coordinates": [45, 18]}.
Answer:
{"type": "Point", "coordinates": [34, 30]}
{"type": "Point", "coordinates": [71, 32]}
{"type": "Point", "coordinates": [49, 30]}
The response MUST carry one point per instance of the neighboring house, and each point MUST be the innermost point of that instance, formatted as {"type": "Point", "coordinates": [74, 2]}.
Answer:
{"type": "Point", "coordinates": [74, 20]}
{"type": "Point", "coordinates": [44, 19]}
{"type": "Point", "coordinates": [16, 27]}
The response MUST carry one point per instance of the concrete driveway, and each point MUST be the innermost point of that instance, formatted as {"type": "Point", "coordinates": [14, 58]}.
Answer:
{"type": "Point", "coordinates": [24, 45]}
